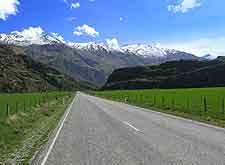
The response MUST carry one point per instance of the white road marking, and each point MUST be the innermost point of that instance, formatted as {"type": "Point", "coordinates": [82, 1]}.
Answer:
{"type": "Point", "coordinates": [136, 129]}
{"type": "Point", "coordinates": [57, 134]}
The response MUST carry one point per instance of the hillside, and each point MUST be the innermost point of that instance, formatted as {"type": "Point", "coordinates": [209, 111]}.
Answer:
{"type": "Point", "coordinates": [20, 73]}
{"type": "Point", "coordinates": [176, 74]}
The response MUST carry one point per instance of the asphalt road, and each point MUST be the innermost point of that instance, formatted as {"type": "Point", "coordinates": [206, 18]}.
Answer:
{"type": "Point", "coordinates": [101, 132]}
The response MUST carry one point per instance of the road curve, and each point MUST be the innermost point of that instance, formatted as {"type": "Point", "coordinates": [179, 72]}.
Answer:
{"type": "Point", "coordinates": [102, 132]}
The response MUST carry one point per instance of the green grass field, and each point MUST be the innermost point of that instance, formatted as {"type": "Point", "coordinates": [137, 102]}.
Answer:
{"type": "Point", "coordinates": [24, 130]}
{"type": "Point", "coordinates": [13, 103]}
{"type": "Point", "coordinates": [202, 104]}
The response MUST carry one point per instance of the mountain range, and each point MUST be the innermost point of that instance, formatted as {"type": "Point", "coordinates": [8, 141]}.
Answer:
{"type": "Point", "coordinates": [89, 62]}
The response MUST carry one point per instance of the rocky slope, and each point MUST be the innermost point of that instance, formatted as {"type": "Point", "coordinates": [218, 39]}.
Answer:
{"type": "Point", "coordinates": [20, 73]}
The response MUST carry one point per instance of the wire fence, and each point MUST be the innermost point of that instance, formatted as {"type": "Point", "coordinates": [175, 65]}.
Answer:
{"type": "Point", "coordinates": [16, 103]}
{"type": "Point", "coordinates": [210, 103]}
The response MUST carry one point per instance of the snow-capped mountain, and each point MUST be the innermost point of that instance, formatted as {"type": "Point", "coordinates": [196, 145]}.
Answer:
{"type": "Point", "coordinates": [147, 50]}
{"type": "Point", "coordinates": [144, 50]}
{"type": "Point", "coordinates": [141, 50]}
{"type": "Point", "coordinates": [209, 57]}
{"type": "Point", "coordinates": [23, 40]}
{"type": "Point", "coordinates": [91, 62]}
{"type": "Point", "coordinates": [91, 46]}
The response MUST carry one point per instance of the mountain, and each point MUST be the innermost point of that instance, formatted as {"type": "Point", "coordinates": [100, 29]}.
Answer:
{"type": "Point", "coordinates": [91, 62]}
{"type": "Point", "coordinates": [20, 73]}
{"type": "Point", "coordinates": [24, 40]}
{"type": "Point", "coordinates": [175, 74]}
{"type": "Point", "coordinates": [208, 57]}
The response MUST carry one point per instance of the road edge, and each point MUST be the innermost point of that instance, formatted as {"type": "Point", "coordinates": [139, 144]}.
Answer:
{"type": "Point", "coordinates": [165, 114]}
{"type": "Point", "coordinates": [40, 155]}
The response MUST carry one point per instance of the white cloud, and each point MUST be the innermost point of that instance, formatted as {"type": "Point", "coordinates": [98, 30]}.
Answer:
{"type": "Point", "coordinates": [92, 0]}
{"type": "Point", "coordinates": [8, 7]}
{"type": "Point", "coordinates": [121, 19]}
{"type": "Point", "coordinates": [184, 6]}
{"type": "Point", "coordinates": [214, 46]}
{"type": "Point", "coordinates": [75, 5]}
{"type": "Point", "coordinates": [86, 30]}
{"type": "Point", "coordinates": [112, 43]}
{"type": "Point", "coordinates": [71, 18]}
{"type": "Point", "coordinates": [32, 33]}
{"type": "Point", "coordinates": [77, 33]}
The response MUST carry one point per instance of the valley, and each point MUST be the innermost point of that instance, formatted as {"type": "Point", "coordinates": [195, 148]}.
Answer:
{"type": "Point", "coordinates": [111, 82]}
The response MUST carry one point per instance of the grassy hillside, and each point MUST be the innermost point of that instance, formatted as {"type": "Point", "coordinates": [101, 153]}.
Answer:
{"type": "Point", "coordinates": [177, 74]}
{"type": "Point", "coordinates": [19, 73]}
{"type": "Point", "coordinates": [202, 104]}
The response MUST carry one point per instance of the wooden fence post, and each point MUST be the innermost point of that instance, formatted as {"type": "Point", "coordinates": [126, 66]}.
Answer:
{"type": "Point", "coordinates": [222, 105]}
{"type": "Point", "coordinates": [30, 104]}
{"type": "Point", "coordinates": [188, 104]}
{"type": "Point", "coordinates": [24, 106]}
{"type": "Point", "coordinates": [173, 104]}
{"type": "Point", "coordinates": [16, 107]}
{"type": "Point", "coordinates": [205, 104]}
{"type": "Point", "coordinates": [7, 109]}
{"type": "Point", "coordinates": [163, 101]}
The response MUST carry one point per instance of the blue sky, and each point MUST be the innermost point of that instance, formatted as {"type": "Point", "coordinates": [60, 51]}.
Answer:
{"type": "Point", "coordinates": [197, 26]}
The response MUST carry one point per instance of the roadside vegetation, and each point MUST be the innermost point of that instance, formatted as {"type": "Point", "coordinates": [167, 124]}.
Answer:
{"type": "Point", "coordinates": [201, 104]}
{"type": "Point", "coordinates": [26, 121]}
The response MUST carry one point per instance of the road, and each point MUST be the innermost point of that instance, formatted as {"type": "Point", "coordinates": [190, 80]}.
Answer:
{"type": "Point", "coordinates": [102, 132]}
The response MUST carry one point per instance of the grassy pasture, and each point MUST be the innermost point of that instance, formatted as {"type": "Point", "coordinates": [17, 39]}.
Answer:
{"type": "Point", "coordinates": [14, 103]}
{"type": "Point", "coordinates": [24, 131]}
{"type": "Point", "coordinates": [203, 104]}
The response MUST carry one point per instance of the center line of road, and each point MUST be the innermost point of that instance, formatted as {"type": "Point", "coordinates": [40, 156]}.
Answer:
{"type": "Point", "coordinates": [136, 129]}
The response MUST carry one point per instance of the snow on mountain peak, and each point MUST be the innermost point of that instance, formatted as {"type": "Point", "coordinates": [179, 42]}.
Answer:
{"type": "Point", "coordinates": [144, 50]}
{"type": "Point", "coordinates": [91, 46]}
{"type": "Point", "coordinates": [32, 35]}
{"type": "Point", "coordinates": [209, 57]}
{"type": "Point", "coordinates": [36, 35]}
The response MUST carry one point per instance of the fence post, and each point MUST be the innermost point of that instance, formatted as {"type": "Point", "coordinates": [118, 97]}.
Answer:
{"type": "Point", "coordinates": [173, 104]}
{"type": "Point", "coordinates": [205, 104]}
{"type": "Point", "coordinates": [16, 107]}
{"type": "Point", "coordinates": [30, 104]}
{"type": "Point", "coordinates": [7, 109]}
{"type": "Point", "coordinates": [163, 101]}
{"type": "Point", "coordinates": [35, 102]}
{"type": "Point", "coordinates": [63, 101]}
{"type": "Point", "coordinates": [24, 106]}
{"type": "Point", "coordinates": [223, 105]}
{"type": "Point", "coordinates": [188, 104]}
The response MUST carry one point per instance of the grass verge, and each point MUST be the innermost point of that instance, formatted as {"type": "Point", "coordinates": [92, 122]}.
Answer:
{"type": "Point", "coordinates": [206, 105]}
{"type": "Point", "coordinates": [22, 134]}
